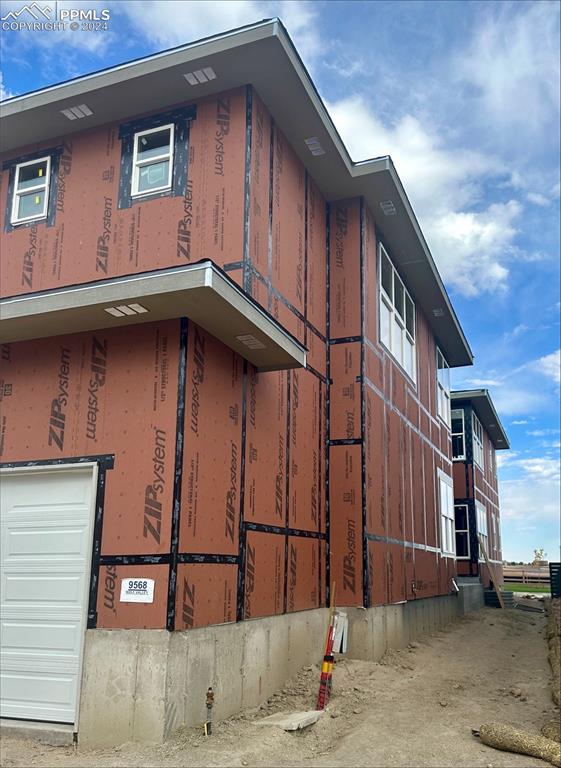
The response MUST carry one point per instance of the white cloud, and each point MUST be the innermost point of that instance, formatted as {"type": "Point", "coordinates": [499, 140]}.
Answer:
{"type": "Point", "coordinates": [470, 246]}
{"type": "Point", "coordinates": [530, 501]}
{"type": "Point", "coordinates": [542, 432]}
{"type": "Point", "coordinates": [512, 67]}
{"type": "Point", "coordinates": [173, 22]}
{"type": "Point", "coordinates": [483, 382]}
{"type": "Point", "coordinates": [520, 421]}
{"type": "Point", "coordinates": [550, 366]}
{"type": "Point", "coordinates": [538, 199]}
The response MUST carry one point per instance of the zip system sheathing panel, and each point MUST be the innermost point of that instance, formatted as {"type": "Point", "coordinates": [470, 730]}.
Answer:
{"type": "Point", "coordinates": [266, 486]}
{"type": "Point", "coordinates": [385, 439]}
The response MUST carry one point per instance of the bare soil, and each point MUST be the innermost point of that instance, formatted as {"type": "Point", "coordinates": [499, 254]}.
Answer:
{"type": "Point", "coordinates": [416, 707]}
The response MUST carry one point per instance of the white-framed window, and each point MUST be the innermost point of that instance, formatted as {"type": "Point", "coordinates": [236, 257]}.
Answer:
{"type": "Point", "coordinates": [477, 431]}
{"type": "Point", "coordinates": [491, 456]}
{"type": "Point", "coordinates": [462, 531]}
{"type": "Point", "coordinates": [458, 434]}
{"type": "Point", "coordinates": [481, 514]}
{"type": "Point", "coordinates": [447, 528]}
{"type": "Point", "coordinates": [31, 190]}
{"type": "Point", "coordinates": [496, 534]}
{"type": "Point", "coordinates": [442, 387]}
{"type": "Point", "coordinates": [397, 316]}
{"type": "Point", "coordinates": [152, 161]}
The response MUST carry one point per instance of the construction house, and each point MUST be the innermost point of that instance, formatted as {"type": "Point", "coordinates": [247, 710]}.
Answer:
{"type": "Point", "coordinates": [225, 379]}
{"type": "Point", "coordinates": [477, 434]}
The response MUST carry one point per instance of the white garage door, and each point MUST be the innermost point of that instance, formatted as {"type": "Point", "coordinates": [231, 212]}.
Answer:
{"type": "Point", "coordinates": [46, 520]}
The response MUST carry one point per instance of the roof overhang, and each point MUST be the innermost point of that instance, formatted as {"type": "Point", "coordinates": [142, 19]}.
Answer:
{"type": "Point", "coordinates": [263, 55]}
{"type": "Point", "coordinates": [199, 291]}
{"type": "Point", "coordinates": [481, 401]}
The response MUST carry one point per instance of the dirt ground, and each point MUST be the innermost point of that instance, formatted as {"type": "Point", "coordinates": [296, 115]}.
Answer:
{"type": "Point", "coordinates": [415, 708]}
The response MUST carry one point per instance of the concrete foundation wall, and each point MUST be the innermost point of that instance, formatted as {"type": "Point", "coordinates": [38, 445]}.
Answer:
{"type": "Point", "coordinates": [142, 685]}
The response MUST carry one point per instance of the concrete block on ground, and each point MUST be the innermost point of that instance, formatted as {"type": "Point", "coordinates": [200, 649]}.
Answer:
{"type": "Point", "coordinates": [292, 721]}
{"type": "Point", "coordinates": [108, 687]}
{"type": "Point", "coordinates": [53, 734]}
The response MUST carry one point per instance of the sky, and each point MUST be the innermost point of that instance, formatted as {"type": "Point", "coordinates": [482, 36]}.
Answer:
{"type": "Point", "coordinates": [465, 98]}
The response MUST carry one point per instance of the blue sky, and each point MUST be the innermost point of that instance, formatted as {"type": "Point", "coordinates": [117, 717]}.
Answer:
{"type": "Point", "coordinates": [465, 97]}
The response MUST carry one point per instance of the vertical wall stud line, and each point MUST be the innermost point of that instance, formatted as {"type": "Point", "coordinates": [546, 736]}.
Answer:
{"type": "Point", "coordinates": [96, 547]}
{"type": "Point", "coordinates": [247, 188]}
{"type": "Point", "coordinates": [289, 375]}
{"type": "Point", "coordinates": [242, 535]}
{"type": "Point", "coordinates": [365, 585]}
{"type": "Point", "coordinates": [178, 473]}
{"type": "Point", "coordinates": [327, 402]}
{"type": "Point", "coordinates": [306, 191]}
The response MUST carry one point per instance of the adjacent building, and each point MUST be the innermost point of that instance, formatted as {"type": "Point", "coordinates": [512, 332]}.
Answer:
{"type": "Point", "coordinates": [477, 434]}
{"type": "Point", "coordinates": [225, 385]}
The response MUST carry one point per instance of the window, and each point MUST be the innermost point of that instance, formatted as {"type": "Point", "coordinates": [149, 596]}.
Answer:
{"type": "Point", "coordinates": [491, 456]}
{"type": "Point", "coordinates": [462, 531]}
{"type": "Point", "coordinates": [496, 534]}
{"type": "Point", "coordinates": [397, 316]}
{"type": "Point", "coordinates": [446, 497]}
{"type": "Point", "coordinates": [152, 160]}
{"type": "Point", "coordinates": [477, 430]}
{"type": "Point", "coordinates": [443, 387]}
{"type": "Point", "coordinates": [481, 513]}
{"type": "Point", "coordinates": [31, 190]}
{"type": "Point", "coordinates": [458, 435]}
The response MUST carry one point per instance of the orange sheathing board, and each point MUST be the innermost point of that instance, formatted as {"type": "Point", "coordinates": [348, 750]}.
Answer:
{"type": "Point", "coordinates": [304, 478]}
{"type": "Point", "coordinates": [345, 269]}
{"type": "Point", "coordinates": [210, 493]}
{"type": "Point", "coordinates": [370, 279]}
{"type": "Point", "coordinates": [205, 594]}
{"type": "Point", "coordinates": [237, 276]}
{"type": "Point", "coordinates": [264, 574]}
{"type": "Point", "coordinates": [407, 485]}
{"type": "Point", "coordinates": [144, 236]}
{"type": "Point", "coordinates": [463, 567]}
{"type": "Point", "coordinates": [396, 573]}
{"type": "Point", "coordinates": [107, 392]}
{"type": "Point", "coordinates": [323, 458]}
{"type": "Point", "coordinates": [317, 352]}
{"type": "Point", "coordinates": [445, 441]}
{"type": "Point", "coordinates": [409, 573]}
{"type": "Point", "coordinates": [421, 338]}
{"type": "Point", "coordinates": [346, 523]}
{"type": "Point", "coordinates": [459, 476]}
{"type": "Point", "coordinates": [426, 569]}
{"type": "Point", "coordinates": [316, 259]}
{"type": "Point", "coordinates": [375, 457]}
{"type": "Point", "coordinates": [398, 389]}
{"type": "Point", "coordinates": [430, 495]}
{"type": "Point", "coordinates": [387, 376]}
{"type": "Point", "coordinates": [377, 572]}
{"type": "Point", "coordinates": [425, 424]}
{"type": "Point", "coordinates": [394, 474]}
{"type": "Point", "coordinates": [259, 186]}
{"type": "Point", "coordinates": [374, 367]}
{"type": "Point", "coordinates": [287, 318]}
{"type": "Point", "coordinates": [345, 391]}
{"type": "Point", "coordinates": [266, 447]}
{"type": "Point", "coordinates": [322, 584]}
{"type": "Point", "coordinates": [289, 189]}
{"type": "Point", "coordinates": [113, 614]}
{"type": "Point", "coordinates": [412, 408]}
{"type": "Point", "coordinates": [435, 434]}
{"type": "Point", "coordinates": [418, 490]}
{"type": "Point", "coordinates": [217, 174]}
{"type": "Point", "coordinates": [303, 577]}
{"type": "Point", "coordinates": [259, 292]}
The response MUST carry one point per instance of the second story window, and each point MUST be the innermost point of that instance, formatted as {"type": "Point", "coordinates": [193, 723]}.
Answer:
{"type": "Point", "coordinates": [152, 161]}
{"type": "Point", "coordinates": [477, 431]}
{"type": "Point", "coordinates": [458, 435]}
{"type": "Point", "coordinates": [443, 387]}
{"type": "Point", "coordinates": [397, 316]}
{"type": "Point", "coordinates": [447, 530]}
{"type": "Point", "coordinates": [31, 191]}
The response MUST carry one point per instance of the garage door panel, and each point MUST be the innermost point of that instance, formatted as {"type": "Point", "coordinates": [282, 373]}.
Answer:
{"type": "Point", "coordinates": [59, 638]}
{"type": "Point", "coordinates": [38, 588]}
{"type": "Point", "coordinates": [30, 694]}
{"type": "Point", "coordinates": [43, 542]}
{"type": "Point", "coordinates": [47, 519]}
